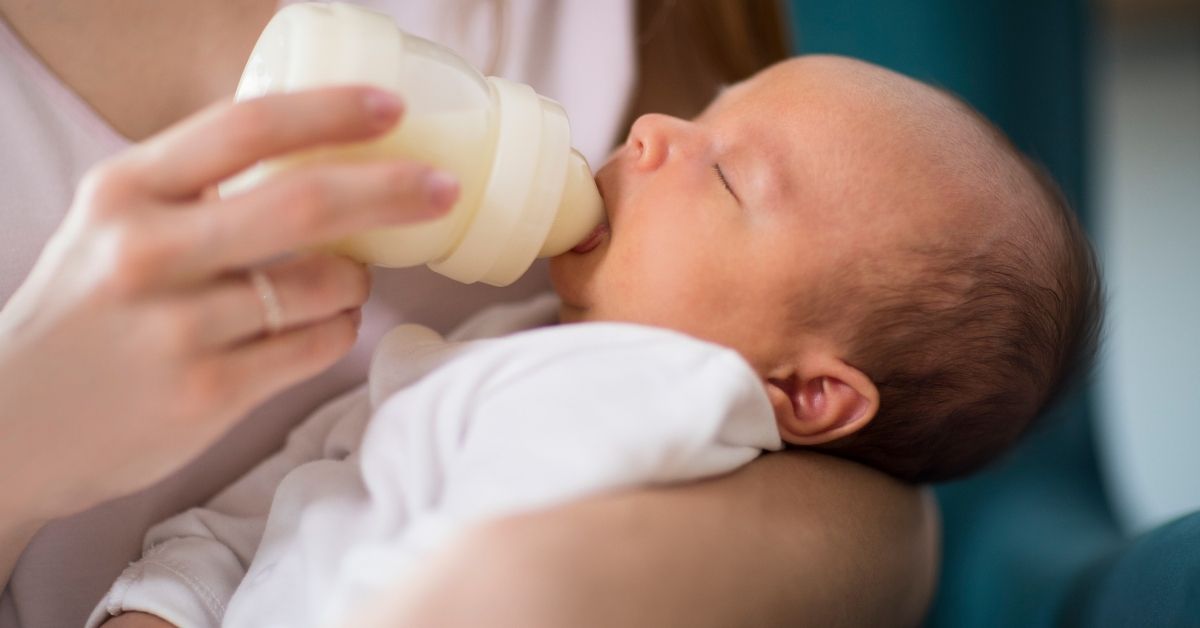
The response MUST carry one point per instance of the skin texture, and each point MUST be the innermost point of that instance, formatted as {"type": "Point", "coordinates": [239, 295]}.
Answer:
{"type": "Point", "coordinates": [833, 542]}
{"type": "Point", "coordinates": [161, 63]}
{"type": "Point", "coordinates": [825, 164]}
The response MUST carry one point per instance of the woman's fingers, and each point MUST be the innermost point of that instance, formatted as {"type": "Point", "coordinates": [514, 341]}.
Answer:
{"type": "Point", "coordinates": [259, 369]}
{"type": "Point", "coordinates": [308, 288]}
{"type": "Point", "coordinates": [169, 243]}
{"type": "Point", "coordinates": [305, 207]}
{"type": "Point", "coordinates": [226, 138]}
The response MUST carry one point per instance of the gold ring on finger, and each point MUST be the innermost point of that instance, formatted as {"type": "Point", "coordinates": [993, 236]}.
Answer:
{"type": "Point", "coordinates": [272, 310]}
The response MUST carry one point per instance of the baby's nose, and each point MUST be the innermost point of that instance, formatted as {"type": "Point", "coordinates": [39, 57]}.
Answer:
{"type": "Point", "coordinates": [652, 137]}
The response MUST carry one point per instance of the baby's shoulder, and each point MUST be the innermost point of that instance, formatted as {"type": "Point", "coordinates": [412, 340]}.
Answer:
{"type": "Point", "coordinates": [559, 355]}
{"type": "Point", "coordinates": [612, 346]}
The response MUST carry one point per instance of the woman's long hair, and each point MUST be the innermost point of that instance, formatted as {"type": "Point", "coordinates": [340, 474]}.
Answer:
{"type": "Point", "coordinates": [686, 49]}
{"type": "Point", "coordinates": [689, 49]}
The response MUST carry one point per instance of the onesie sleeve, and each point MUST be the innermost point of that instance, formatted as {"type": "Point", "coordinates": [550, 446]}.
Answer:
{"type": "Point", "coordinates": [574, 411]}
{"type": "Point", "coordinates": [193, 562]}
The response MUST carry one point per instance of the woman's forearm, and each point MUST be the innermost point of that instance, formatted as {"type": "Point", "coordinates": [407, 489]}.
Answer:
{"type": "Point", "coordinates": [792, 539]}
{"type": "Point", "coordinates": [15, 534]}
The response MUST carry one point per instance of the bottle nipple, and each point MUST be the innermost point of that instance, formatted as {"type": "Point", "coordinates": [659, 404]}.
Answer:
{"type": "Point", "coordinates": [579, 211]}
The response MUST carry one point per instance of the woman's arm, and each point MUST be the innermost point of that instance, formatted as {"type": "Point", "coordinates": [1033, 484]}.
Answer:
{"type": "Point", "coordinates": [797, 538]}
{"type": "Point", "coordinates": [15, 534]}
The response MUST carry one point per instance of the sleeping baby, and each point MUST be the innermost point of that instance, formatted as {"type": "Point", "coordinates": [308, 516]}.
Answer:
{"type": "Point", "coordinates": [832, 256]}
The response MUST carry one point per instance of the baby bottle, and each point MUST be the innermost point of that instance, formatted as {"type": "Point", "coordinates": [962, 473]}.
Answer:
{"type": "Point", "coordinates": [524, 192]}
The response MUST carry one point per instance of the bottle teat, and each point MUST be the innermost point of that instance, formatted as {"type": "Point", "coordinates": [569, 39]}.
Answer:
{"type": "Point", "coordinates": [579, 211]}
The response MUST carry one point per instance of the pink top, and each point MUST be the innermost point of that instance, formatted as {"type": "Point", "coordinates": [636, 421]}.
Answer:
{"type": "Point", "coordinates": [49, 137]}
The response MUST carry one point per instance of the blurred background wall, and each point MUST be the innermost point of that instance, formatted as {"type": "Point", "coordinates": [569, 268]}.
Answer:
{"type": "Point", "coordinates": [1146, 197]}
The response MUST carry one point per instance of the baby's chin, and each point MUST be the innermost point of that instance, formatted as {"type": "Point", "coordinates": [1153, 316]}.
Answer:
{"type": "Point", "coordinates": [570, 276]}
{"type": "Point", "coordinates": [571, 314]}
{"type": "Point", "coordinates": [575, 278]}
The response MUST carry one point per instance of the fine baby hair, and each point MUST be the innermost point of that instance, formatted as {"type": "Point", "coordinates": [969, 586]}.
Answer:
{"type": "Point", "coordinates": [970, 350]}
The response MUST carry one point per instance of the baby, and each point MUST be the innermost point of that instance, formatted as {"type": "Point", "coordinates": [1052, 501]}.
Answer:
{"type": "Point", "coordinates": [911, 291]}
{"type": "Point", "coordinates": [831, 256]}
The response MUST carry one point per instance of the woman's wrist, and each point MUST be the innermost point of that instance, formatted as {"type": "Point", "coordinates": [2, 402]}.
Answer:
{"type": "Point", "coordinates": [36, 488]}
{"type": "Point", "coordinates": [24, 505]}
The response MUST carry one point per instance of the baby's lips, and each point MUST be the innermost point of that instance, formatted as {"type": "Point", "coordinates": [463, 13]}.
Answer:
{"type": "Point", "coordinates": [593, 239]}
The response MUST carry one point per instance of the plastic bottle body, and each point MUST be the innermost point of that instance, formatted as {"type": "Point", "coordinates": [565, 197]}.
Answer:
{"type": "Point", "coordinates": [524, 192]}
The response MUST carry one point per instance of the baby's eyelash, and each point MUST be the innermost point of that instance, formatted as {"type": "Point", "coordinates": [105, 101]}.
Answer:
{"type": "Point", "coordinates": [721, 176]}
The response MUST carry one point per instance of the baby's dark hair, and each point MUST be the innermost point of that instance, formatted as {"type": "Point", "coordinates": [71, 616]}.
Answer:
{"type": "Point", "coordinates": [970, 349]}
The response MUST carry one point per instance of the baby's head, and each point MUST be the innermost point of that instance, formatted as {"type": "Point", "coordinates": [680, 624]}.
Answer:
{"type": "Point", "coordinates": [910, 289]}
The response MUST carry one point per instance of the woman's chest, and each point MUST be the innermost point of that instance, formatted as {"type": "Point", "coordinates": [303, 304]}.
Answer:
{"type": "Point", "coordinates": [141, 65]}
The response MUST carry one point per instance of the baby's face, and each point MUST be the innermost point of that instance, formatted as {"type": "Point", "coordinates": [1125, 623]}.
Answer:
{"type": "Point", "coordinates": [721, 226]}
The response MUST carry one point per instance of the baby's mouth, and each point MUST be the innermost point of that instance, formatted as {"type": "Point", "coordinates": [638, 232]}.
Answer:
{"type": "Point", "coordinates": [593, 239]}
{"type": "Point", "coordinates": [602, 230]}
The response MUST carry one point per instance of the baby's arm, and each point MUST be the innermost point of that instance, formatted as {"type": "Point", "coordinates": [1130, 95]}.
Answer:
{"type": "Point", "coordinates": [194, 561]}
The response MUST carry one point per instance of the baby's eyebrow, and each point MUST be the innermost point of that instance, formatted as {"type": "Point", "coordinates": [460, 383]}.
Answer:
{"type": "Point", "coordinates": [764, 175]}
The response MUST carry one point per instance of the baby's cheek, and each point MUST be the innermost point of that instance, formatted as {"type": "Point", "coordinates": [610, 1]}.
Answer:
{"type": "Point", "coordinates": [678, 282]}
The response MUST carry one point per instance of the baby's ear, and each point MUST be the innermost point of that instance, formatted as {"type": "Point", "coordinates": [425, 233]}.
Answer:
{"type": "Point", "coordinates": [823, 401]}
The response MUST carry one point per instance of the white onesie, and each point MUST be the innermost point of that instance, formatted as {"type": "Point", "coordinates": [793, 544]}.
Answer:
{"type": "Point", "coordinates": [444, 435]}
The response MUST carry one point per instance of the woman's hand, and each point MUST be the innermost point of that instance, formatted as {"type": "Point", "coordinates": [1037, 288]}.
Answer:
{"type": "Point", "coordinates": [138, 338]}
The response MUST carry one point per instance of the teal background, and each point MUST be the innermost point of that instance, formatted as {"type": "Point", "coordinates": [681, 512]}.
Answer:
{"type": "Point", "coordinates": [1032, 541]}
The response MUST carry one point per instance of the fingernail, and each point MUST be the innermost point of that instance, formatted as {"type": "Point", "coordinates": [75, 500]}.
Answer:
{"type": "Point", "coordinates": [442, 189]}
{"type": "Point", "coordinates": [383, 106]}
